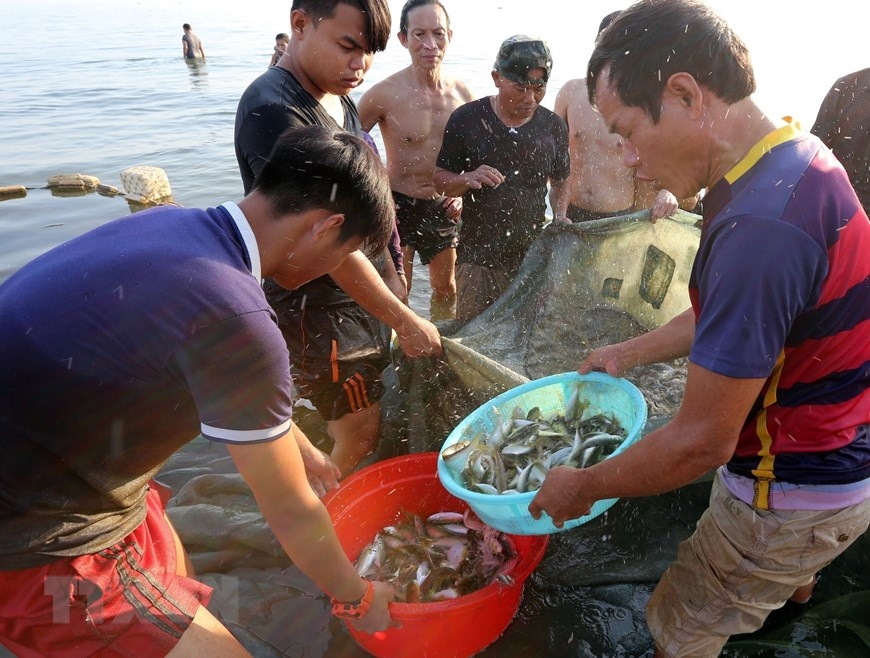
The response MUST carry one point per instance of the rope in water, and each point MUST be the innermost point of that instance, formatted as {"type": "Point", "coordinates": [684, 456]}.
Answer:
{"type": "Point", "coordinates": [143, 185]}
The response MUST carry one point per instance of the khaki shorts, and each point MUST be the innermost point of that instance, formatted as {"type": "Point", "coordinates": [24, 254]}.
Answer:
{"type": "Point", "coordinates": [739, 565]}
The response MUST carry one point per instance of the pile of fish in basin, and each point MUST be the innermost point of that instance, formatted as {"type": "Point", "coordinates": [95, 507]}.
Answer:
{"type": "Point", "coordinates": [498, 457]}
{"type": "Point", "coordinates": [439, 557]}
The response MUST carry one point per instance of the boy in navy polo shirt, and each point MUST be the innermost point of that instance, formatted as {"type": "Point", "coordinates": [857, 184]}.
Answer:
{"type": "Point", "coordinates": [123, 344]}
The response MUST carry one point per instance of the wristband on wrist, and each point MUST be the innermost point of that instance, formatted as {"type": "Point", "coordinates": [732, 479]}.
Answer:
{"type": "Point", "coordinates": [358, 609]}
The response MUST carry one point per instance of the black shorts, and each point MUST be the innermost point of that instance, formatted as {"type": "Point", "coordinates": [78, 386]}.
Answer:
{"type": "Point", "coordinates": [337, 356]}
{"type": "Point", "coordinates": [425, 226]}
{"type": "Point", "coordinates": [576, 214]}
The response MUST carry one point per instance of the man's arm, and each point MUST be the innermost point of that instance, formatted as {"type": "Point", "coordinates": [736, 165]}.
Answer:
{"type": "Point", "coordinates": [450, 158]}
{"type": "Point", "coordinates": [321, 471]}
{"type": "Point", "coordinates": [452, 184]}
{"type": "Point", "coordinates": [560, 173]}
{"type": "Point", "coordinates": [559, 197]}
{"type": "Point", "coordinates": [371, 108]}
{"type": "Point", "coordinates": [563, 98]}
{"type": "Point", "coordinates": [394, 275]}
{"type": "Point", "coordinates": [361, 281]}
{"type": "Point", "coordinates": [464, 91]}
{"type": "Point", "coordinates": [662, 202]}
{"type": "Point", "coordinates": [371, 111]}
{"type": "Point", "coordinates": [667, 342]}
{"type": "Point", "coordinates": [276, 475]}
{"type": "Point", "coordinates": [702, 436]}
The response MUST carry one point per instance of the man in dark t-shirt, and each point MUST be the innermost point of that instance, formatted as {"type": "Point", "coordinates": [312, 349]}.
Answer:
{"type": "Point", "coordinates": [843, 124]}
{"type": "Point", "coordinates": [499, 153]}
{"type": "Point", "coordinates": [337, 327]}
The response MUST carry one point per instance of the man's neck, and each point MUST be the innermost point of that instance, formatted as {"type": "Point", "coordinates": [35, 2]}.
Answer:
{"type": "Point", "coordinates": [426, 78]}
{"type": "Point", "coordinates": [290, 63]}
{"type": "Point", "coordinates": [330, 102]}
{"type": "Point", "coordinates": [739, 127]}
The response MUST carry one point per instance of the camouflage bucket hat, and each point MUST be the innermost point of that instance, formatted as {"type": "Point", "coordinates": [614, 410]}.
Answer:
{"type": "Point", "coordinates": [520, 54]}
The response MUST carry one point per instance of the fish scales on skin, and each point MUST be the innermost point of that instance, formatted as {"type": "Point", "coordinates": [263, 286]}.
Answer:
{"type": "Point", "coordinates": [444, 556]}
{"type": "Point", "coordinates": [516, 455]}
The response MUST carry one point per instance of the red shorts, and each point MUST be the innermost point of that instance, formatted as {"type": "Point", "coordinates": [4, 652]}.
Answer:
{"type": "Point", "coordinates": [125, 600]}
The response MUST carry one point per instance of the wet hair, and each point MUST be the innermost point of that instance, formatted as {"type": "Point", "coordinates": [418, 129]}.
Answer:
{"type": "Point", "coordinates": [411, 5]}
{"type": "Point", "coordinates": [312, 167]}
{"type": "Point", "coordinates": [186, 26]}
{"type": "Point", "coordinates": [653, 39]}
{"type": "Point", "coordinates": [377, 13]}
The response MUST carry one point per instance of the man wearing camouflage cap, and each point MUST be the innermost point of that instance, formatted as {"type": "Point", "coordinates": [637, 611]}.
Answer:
{"type": "Point", "coordinates": [498, 154]}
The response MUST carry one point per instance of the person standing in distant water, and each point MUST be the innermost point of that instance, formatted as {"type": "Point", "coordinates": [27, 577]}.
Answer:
{"type": "Point", "coordinates": [191, 45]}
{"type": "Point", "coordinates": [843, 124]}
{"type": "Point", "coordinates": [281, 41]}
{"type": "Point", "coordinates": [411, 108]}
{"type": "Point", "coordinates": [337, 327]}
{"type": "Point", "coordinates": [600, 184]}
{"type": "Point", "coordinates": [498, 153]}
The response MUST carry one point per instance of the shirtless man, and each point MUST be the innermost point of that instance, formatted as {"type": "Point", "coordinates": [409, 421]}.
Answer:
{"type": "Point", "coordinates": [600, 184]}
{"type": "Point", "coordinates": [411, 108]}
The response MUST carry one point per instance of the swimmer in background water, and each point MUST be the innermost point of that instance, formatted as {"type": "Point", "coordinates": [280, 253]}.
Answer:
{"type": "Point", "coordinates": [191, 45]}
{"type": "Point", "coordinates": [281, 41]}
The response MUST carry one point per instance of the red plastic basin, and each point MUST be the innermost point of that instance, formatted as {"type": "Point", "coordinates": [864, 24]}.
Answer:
{"type": "Point", "coordinates": [381, 495]}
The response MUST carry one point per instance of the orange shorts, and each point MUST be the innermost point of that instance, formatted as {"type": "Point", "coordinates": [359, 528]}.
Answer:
{"type": "Point", "coordinates": [125, 600]}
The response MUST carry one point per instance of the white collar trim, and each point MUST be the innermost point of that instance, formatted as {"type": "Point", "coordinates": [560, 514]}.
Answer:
{"type": "Point", "coordinates": [248, 236]}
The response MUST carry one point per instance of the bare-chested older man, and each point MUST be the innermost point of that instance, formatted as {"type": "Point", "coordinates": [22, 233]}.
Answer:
{"type": "Point", "coordinates": [600, 184]}
{"type": "Point", "coordinates": [411, 107]}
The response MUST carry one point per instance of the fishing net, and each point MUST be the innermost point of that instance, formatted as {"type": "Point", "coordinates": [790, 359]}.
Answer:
{"type": "Point", "coordinates": [580, 286]}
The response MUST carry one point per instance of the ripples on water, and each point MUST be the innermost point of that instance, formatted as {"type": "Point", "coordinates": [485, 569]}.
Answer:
{"type": "Point", "coordinates": [119, 96]}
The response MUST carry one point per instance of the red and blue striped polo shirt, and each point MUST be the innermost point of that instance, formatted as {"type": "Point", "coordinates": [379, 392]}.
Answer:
{"type": "Point", "coordinates": [781, 291]}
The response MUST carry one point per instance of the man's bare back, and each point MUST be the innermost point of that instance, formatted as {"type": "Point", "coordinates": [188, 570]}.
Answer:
{"type": "Point", "coordinates": [600, 183]}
